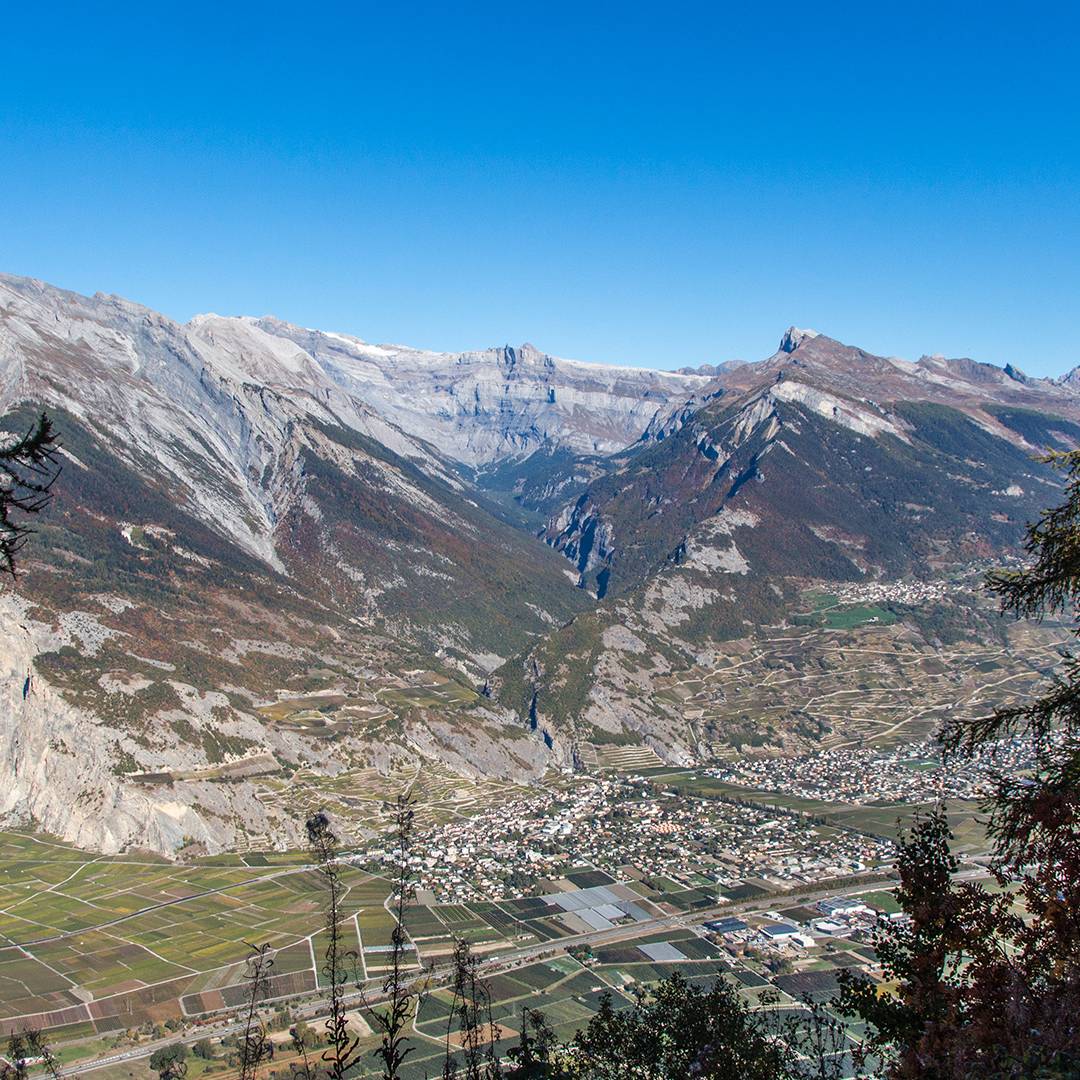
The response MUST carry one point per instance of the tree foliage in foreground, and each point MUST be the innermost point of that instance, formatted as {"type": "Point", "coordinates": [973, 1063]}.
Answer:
{"type": "Point", "coordinates": [678, 1031]}
{"type": "Point", "coordinates": [254, 1042]}
{"type": "Point", "coordinates": [170, 1062]}
{"type": "Point", "coordinates": [988, 985]}
{"type": "Point", "coordinates": [28, 469]}
{"type": "Point", "coordinates": [29, 1049]}
{"type": "Point", "coordinates": [401, 995]}
{"type": "Point", "coordinates": [340, 963]}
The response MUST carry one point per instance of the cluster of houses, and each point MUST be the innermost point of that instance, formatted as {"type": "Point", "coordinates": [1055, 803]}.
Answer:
{"type": "Point", "coordinates": [625, 828]}
{"type": "Point", "coordinates": [912, 773]}
{"type": "Point", "coordinates": [902, 591]}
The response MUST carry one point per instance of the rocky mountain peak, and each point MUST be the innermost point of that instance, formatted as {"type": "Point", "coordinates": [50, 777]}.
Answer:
{"type": "Point", "coordinates": [1016, 374]}
{"type": "Point", "coordinates": [528, 355]}
{"type": "Point", "coordinates": [712, 370]}
{"type": "Point", "coordinates": [794, 336]}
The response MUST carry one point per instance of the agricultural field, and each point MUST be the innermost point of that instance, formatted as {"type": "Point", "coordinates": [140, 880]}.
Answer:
{"type": "Point", "coordinates": [865, 681]}
{"type": "Point", "coordinates": [886, 820]}
{"type": "Point", "coordinates": [372, 704]}
{"type": "Point", "coordinates": [359, 797]}
{"type": "Point", "coordinates": [105, 943]}
{"type": "Point", "coordinates": [620, 758]}
{"type": "Point", "coordinates": [97, 945]}
{"type": "Point", "coordinates": [112, 941]}
{"type": "Point", "coordinates": [568, 988]}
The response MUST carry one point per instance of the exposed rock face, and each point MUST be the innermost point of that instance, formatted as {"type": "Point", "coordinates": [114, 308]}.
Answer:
{"type": "Point", "coordinates": [481, 407]}
{"type": "Point", "coordinates": [216, 420]}
{"type": "Point", "coordinates": [794, 337]}
{"type": "Point", "coordinates": [969, 385]}
{"type": "Point", "coordinates": [232, 527]}
{"type": "Point", "coordinates": [285, 553]}
{"type": "Point", "coordinates": [59, 765]}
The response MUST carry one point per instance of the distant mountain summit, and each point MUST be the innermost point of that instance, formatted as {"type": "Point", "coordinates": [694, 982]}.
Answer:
{"type": "Point", "coordinates": [794, 337]}
{"type": "Point", "coordinates": [478, 408]}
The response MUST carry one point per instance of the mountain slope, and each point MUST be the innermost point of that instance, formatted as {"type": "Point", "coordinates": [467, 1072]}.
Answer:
{"type": "Point", "coordinates": [899, 479]}
{"type": "Point", "coordinates": [234, 530]}
{"type": "Point", "coordinates": [283, 564]}
{"type": "Point", "coordinates": [823, 471]}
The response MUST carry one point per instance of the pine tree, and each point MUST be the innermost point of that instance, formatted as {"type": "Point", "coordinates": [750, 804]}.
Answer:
{"type": "Point", "coordinates": [989, 985]}
{"type": "Point", "coordinates": [1025, 1009]}
{"type": "Point", "coordinates": [1046, 801]}
{"type": "Point", "coordinates": [28, 470]}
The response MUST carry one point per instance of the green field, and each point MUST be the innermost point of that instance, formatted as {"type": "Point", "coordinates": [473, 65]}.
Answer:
{"type": "Point", "coordinates": [887, 821]}
{"type": "Point", "coordinates": [147, 939]}
{"type": "Point", "coordinates": [74, 925]}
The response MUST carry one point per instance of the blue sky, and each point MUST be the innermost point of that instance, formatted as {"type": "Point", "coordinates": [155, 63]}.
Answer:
{"type": "Point", "coordinates": [663, 185]}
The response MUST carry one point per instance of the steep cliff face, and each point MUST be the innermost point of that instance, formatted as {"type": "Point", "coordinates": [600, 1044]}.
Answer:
{"type": "Point", "coordinates": [482, 407]}
{"type": "Point", "coordinates": [61, 766]}
{"type": "Point", "coordinates": [243, 434]}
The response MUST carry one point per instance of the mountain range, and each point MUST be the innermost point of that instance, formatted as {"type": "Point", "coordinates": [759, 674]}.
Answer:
{"type": "Point", "coordinates": [279, 557]}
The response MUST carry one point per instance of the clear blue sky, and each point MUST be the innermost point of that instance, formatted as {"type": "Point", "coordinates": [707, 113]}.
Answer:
{"type": "Point", "coordinates": [664, 184]}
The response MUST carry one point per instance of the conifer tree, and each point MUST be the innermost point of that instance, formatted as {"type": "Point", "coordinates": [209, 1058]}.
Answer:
{"type": "Point", "coordinates": [989, 985]}
{"type": "Point", "coordinates": [28, 470]}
